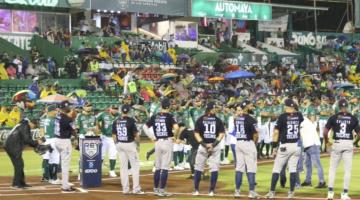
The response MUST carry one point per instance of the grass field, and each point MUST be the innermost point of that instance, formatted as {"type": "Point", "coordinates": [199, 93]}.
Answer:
{"type": "Point", "coordinates": [226, 176]}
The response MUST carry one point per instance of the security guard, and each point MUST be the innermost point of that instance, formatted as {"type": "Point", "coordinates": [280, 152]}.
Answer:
{"type": "Point", "coordinates": [64, 129]}
{"type": "Point", "coordinates": [127, 137]}
{"type": "Point", "coordinates": [15, 143]}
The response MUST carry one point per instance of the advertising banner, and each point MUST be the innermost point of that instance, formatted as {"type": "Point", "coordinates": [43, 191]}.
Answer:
{"type": "Point", "coordinates": [20, 40]}
{"type": "Point", "coordinates": [275, 24]}
{"type": "Point", "coordinates": [164, 7]}
{"type": "Point", "coordinates": [44, 3]}
{"type": "Point", "coordinates": [246, 59]}
{"type": "Point", "coordinates": [322, 38]}
{"type": "Point", "coordinates": [231, 10]}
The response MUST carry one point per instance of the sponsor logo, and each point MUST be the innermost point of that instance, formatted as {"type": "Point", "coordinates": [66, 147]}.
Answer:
{"type": "Point", "coordinates": [90, 171]}
{"type": "Point", "coordinates": [91, 149]}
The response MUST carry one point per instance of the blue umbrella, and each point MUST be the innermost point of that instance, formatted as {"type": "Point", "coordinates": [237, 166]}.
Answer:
{"type": "Point", "coordinates": [239, 74]}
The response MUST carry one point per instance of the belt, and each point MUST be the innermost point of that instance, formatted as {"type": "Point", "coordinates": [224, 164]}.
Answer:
{"type": "Point", "coordinates": [125, 142]}
{"type": "Point", "coordinates": [164, 139]}
{"type": "Point", "coordinates": [244, 140]}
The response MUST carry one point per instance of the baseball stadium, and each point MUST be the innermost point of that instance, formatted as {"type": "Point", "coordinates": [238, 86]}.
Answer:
{"type": "Point", "coordinates": [179, 99]}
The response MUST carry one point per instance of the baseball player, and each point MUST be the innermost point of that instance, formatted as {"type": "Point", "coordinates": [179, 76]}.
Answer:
{"type": "Point", "coordinates": [104, 121]}
{"type": "Point", "coordinates": [246, 133]}
{"type": "Point", "coordinates": [86, 121]}
{"type": "Point", "coordinates": [209, 131]}
{"type": "Point", "coordinates": [165, 128]}
{"type": "Point", "coordinates": [127, 137]}
{"type": "Point", "coordinates": [64, 128]}
{"type": "Point", "coordinates": [51, 159]}
{"type": "Point", "coordinates": [264, 113]}
{"type": "Point", "coordinates": [325, 112]}
{"type": "Point", "coordinates": [287, 132]}
{"type": "Point", "coordinates": [342, 124]}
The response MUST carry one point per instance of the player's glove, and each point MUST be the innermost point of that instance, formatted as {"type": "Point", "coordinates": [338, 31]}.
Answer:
{"type": "Point", "coordinates": [42, 149]}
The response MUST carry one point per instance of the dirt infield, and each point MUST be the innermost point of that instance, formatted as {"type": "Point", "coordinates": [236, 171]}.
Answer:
{"type": "Point", "coordinates": [111, 189]}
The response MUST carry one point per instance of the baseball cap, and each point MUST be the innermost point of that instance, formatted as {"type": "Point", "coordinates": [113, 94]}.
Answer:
{"type": "Point", "coordinates": [290, 103]}
{"type": "Point", "coordinates": [125, 108]}
{"type": "Point", "coordinates": [210, 106]}
{"type": "Point", "coordinates": [51, 108]}
{"type": "Point", "coordinates": [342, 103]}
{"type": "Point", "coordinates": [245, 103]}
{"type": "Point", "coordinates": [165, 103]}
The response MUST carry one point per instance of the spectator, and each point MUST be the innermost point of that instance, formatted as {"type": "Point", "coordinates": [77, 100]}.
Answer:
{"type": "Point", "coordinates": [14, 117]}
{"type": "Point", "coordinates": [51, 67]}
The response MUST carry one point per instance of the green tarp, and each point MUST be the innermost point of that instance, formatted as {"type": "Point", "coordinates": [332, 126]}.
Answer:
{"type": "Point", "coordinates": [48, 49]}
{"type": "Point", "coordinates": [11, 49]}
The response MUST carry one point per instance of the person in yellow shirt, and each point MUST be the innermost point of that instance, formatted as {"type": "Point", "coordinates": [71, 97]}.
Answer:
{"type": "Point", "coordinates": [14, 117]}
{"type": "Point", "coordinates": [103, 54]}
{"type": "Point", "coordinates": [4, 115]}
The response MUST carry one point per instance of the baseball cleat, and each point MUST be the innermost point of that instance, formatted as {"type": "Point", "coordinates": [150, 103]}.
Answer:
{"type": "Point", "coordinates": [178, 168]}
{"type": "Point", "coordinates": [270, 195]}
{"type": "Point", "coordinates": [330, 195]}
{"type": "Point", "coordinates": [211, 193]}
{"type": "Point", "coordinates": [138, 192]}
{"type": "Point", "coordinates": [254, 195]}
{"type": "Point", "coordinates": [291, 195]}
{"type": "Point", "coordinates": [69, 190]}
{"type": "Point", "coordinates": [163, 193]}
{"type": "Point", "coordinates": [196, 193]}
{"type": "Point", "coordinates": [112, 174]}
{"type": "Point", "coordinates": [345, 196]}
{"type": "Point", "coordinates": [55, 182]}
{"type": "Point", "coordinates": [237, 194]}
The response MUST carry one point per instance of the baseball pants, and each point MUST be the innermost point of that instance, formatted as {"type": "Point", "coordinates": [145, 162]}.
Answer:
{"type": "Point", "coordinates": [246, 156]}
{"type": "Point", "coordinates": [212, 157]}
{"type": "Point", "coordinates": [287, 153]}
{"type": "Point", "coordinates": [163, 153]}
{"type": "Point", "coordinates": [64, 147]}
{"type": "Point", "coordinates": [128, 153]}
{"type": "Point", "coordinates": [54, 156]}
{"type": "Point", "coordinates": [108, 146]}
{"type": "Point", "coordinates": [341, 150]}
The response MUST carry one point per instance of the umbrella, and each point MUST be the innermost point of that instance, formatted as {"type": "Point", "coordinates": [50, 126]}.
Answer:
{"type": "Point", "coordinates": [54, 99]}
{"type": "Point", "coordinates": [169, 76]}
{"type": "Point", "coordinates": [92, 51]}
{"type": "Point", "coordinates": [239, 74]}
{"type": "Point", "coordinates": [231, 68]}
{"type": "Point", "coordinates": [343, 38]}
{"type": "Point", "coordinates": [343, 86]}
{"type": "Point", "coordinates": [216, 78]}
{"type": "Point", "coordinates": [18, 96]}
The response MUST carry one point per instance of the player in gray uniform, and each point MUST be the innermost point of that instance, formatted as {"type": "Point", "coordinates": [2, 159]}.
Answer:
{"type": "Point", "coordinates": [343, 124]}
{"type": "Point", "coordinates": [165, 129]}
{"type": "Point", "coordinates": [246, 133]}
{"type": "Point", "coordinates": [209, 131]}
{"type": "Point", "coordinates": [287, 131]}
{"type": "Point", "coordinates": [127, 137]}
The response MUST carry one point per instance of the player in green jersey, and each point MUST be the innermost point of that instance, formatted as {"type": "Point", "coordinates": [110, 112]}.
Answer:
{"type": "Point", "coordinates": [104, 121]}
{"type": "Point", "coordinates": [51, 159]}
